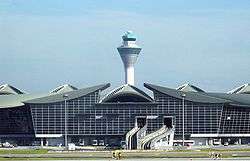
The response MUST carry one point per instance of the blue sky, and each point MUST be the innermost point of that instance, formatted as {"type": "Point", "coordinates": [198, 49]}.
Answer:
{"type": "Point", "coordinates": [44, 44]}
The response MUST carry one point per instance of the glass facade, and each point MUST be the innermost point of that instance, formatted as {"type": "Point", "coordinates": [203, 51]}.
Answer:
{"type": "Point", "coordinates": [87, 117]}
{"type": "Point", "coordinates": [50, 118]}
{"type": "Point", "coordinates": [235, 120]}
{"type": "Point", "coordinates": [119, 118]}
{"type": "Point", "coordinates": [15, 121]}
{"type": "Point", "coordinates": [199, 118]}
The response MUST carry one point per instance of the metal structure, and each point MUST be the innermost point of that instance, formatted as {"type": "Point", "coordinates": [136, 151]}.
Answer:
{"type": "Point", "coordinates": [65, 96]}
{"type": "Point", "coordinates": [183, 118]}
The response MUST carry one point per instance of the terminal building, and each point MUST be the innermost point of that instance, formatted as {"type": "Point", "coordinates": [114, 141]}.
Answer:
{"type": "Point", "coordinates": [126, 116]}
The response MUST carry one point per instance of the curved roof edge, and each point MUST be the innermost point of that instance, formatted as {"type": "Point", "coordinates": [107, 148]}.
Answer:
{"type": "Point", "coordinates": [200, 97]}
{"type": "Point", "coordinates": [11, 101]}
{"type": "Point", "coordinates": [59, 97]}
{"type": "Point", "coordinates": [236, 99]}
{"type": "Point", "coordinates": [126, 89]}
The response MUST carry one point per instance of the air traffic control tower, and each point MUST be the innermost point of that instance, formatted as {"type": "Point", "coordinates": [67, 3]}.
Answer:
{"type": "Point", "coordinates": [129, 52]}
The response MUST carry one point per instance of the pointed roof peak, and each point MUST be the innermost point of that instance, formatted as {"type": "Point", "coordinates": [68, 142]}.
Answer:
{"type": "Point", "coordinates": [126, 93]}
{"type": "Point", "coordinates": [63, 88]}
{"type": "Point", "coordinates": [243, 89]}
{"type": "Point", "coordinates": [68, 85]}
{"type": "Point", "coordinates": [7, 89]}
{"type": "Point", "coordinates": [188, 87]}
{"type": "Point", "coordinates": [5, 85]}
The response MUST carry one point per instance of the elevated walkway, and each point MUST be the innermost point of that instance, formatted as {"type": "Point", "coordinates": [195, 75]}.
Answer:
{"type": "Point", "coordinates": [129, 136]}
{"type": "Point", "coordinates": [163, 137]}
{"type": "Point", "coordinates": [146, 140]}
{"type": "Point", "coordinates": [164, 140]}
{"type": "Point", "coordinates": [134, 136]}
{"type": "Point", "coordinates": [140, 135]}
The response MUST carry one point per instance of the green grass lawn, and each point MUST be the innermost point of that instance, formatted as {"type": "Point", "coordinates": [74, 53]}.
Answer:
{"type": "Point", "coordinates": [212, 149]}
{"type": "Point", "coordinates": [18, 159]}
{"type": "Point", "coordinates": [203, 153]}
{"type": "Point", "coordinates": [221, 150]}
{"type": "Point", "coordinates": [23, 151]}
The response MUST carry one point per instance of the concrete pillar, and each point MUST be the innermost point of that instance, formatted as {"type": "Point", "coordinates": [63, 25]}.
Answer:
{"type": "Point", "coordinates": [41, 142]}
{"type": "Point", "coordinates": [211, 141]}
{"type": "Point", "coordinates": [47, 142]}
{"type": "Point", "coordinates": [239, 141]}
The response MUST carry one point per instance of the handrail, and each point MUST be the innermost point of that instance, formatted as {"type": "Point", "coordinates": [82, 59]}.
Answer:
{"type": "Point", "coordinates": [129, 136]}
{"type": "Point", "coordinates": [140, 135]}
{"type": "Point", "coordinates": [169, 132]}
{"type": "Point", "coordinates": [151, 136]}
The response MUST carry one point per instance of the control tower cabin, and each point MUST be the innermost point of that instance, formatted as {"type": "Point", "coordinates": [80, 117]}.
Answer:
{"type": "Point", "coordinates": [129, 52]}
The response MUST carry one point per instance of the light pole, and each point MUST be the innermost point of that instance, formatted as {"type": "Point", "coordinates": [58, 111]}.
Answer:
{"type": "Point", "coordinates": [65, 96]}
{"type": "Point", "coordinates": [183, 95]}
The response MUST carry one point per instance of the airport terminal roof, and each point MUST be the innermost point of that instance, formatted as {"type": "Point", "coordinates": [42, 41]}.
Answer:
{"type": "Point", "coordinates": [243, 89]}
{"type": "Point", "coordinates": [70, 95]}
{"type": "Point", "coordinates": [124, 93]}
{"type": "Point", "coordinates": [63, 88]}
{"type": "Point", "coordinates": [236, 99]}
{"type": "Point", "coordinates": [7, 101]}
{"type": "Point", "coordinates": [202, 97]}
{"type": "Point", "coordinates": [127, 93]}
{"type": "Point", "coordinates": [191, 96]}
{"type": "Point", "coordinates": [7, 89]}
{"type": "Point", "coordinates": [189, 88]}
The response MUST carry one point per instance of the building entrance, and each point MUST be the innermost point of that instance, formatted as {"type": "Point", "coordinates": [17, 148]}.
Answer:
{"type": "Point", "coordinates": [168, 121]}
{"type": "Point", "coordinates": [141, 121]}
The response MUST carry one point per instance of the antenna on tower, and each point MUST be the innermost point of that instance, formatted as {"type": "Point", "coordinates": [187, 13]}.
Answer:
{"type": "Point", "coordinates": [129, 52]}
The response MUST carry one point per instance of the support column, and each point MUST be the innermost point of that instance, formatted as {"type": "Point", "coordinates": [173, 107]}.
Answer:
{"type": "Point", "coordinates": [129, 75]}
{"type": "Point", "coordinates": [47, 142]}
{"type": "Point", "coordinates": [41, 142]}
